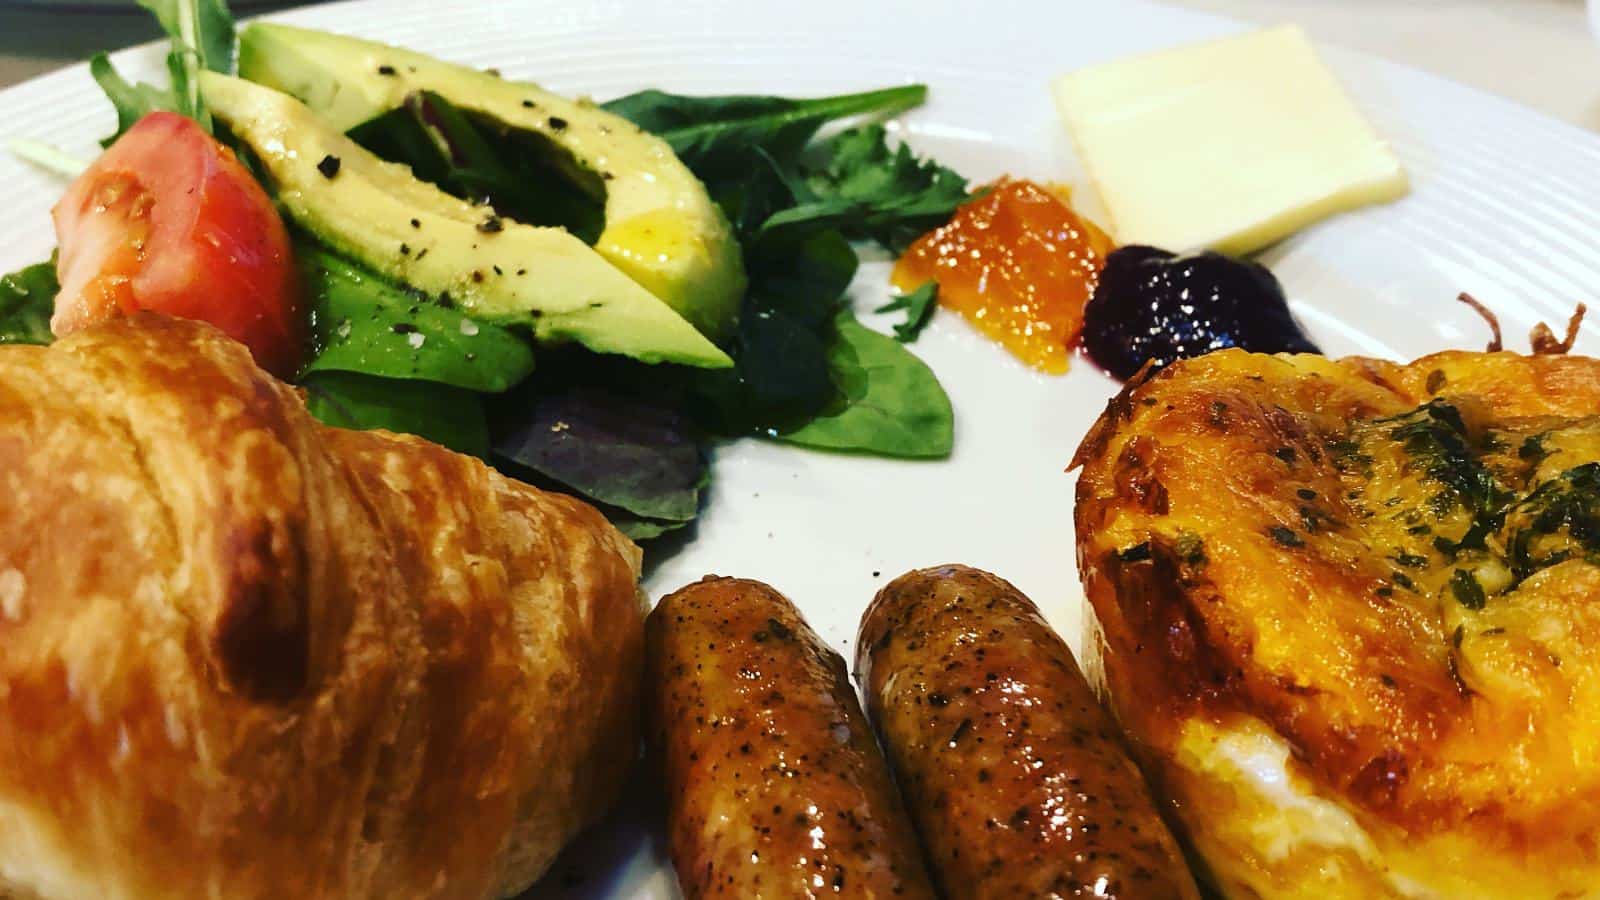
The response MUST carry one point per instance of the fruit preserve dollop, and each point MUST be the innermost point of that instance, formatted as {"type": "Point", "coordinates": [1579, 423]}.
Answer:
{"type": "Point", "coordinates": [1151, 304]}
{"type": "Point", "coordinates": [1019, 264]}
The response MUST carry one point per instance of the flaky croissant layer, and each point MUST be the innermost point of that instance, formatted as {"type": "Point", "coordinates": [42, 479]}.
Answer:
{"type": "Point", "coordinates": [243, 654]}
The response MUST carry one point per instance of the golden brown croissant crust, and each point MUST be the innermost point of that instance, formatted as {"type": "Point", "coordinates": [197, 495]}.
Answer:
{"type": "Point", "coordinates": [243, 654]}
{"type": "Point", "coordinates": [1365, 595]}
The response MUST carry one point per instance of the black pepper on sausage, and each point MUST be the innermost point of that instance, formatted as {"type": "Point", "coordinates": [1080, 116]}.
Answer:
{"type": "Point", "coordinates": [1015, 776]}
{"type": "Point", "coordinates": [775, 786]}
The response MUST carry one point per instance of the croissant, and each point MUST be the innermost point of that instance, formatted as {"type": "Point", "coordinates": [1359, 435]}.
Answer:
{"type": "Point", "coordinates": [243, 654]}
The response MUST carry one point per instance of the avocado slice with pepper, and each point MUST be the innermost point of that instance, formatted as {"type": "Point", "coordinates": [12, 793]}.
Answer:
{"type": "Point", "coordinates": [661, 227]}
{"type": "Point", "coordinates": [500, 270]}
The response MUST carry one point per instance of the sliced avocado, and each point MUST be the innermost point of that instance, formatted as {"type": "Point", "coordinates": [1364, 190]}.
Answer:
{"type": "Point", "coordinates": [409, 230]}
{"type": "Point", "coordinates": [661, 226]}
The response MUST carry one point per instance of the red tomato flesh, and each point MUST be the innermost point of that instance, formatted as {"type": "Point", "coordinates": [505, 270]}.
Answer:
{"type": "Point", "coordinates": [167, 220]}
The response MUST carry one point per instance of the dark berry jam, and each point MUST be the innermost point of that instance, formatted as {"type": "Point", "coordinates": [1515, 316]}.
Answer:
{"type": "Point", "coordinates": [1154, 305]}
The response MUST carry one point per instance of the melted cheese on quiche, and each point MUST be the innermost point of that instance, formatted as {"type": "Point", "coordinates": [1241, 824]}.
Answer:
{"type": "Point", "coordinates": [1351, 616]}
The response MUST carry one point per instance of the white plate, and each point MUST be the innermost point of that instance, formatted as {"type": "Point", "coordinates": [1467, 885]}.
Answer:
{"type": "Point", "coordinates": [1500, 208]}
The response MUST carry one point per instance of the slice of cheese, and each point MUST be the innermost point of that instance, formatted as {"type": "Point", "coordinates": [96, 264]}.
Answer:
{"type": "Point", "coordinates": [1229, 145]}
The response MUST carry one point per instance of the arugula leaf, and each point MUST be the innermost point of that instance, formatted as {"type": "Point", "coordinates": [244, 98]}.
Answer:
{"type": "Point", "coordinates": [895, 404]}
{"type": "Point", "coordinates": [858, 165]}
{"type": "Point", "coordinates": [620, 450]}
{"type": "Point", "coordinates": [919, 306]}
{"type": "Point", "coordinates": [721, 131]}
{"type": "Point", "coordinates": [202, 34]}
{"type": "Point", "coordinates": [27, 298]}
{"type": "Point", "coordinates": [526, 177]}
{"type": "Point", "coordinates": [131, 101]}
{"type": "Point", "coordinates": [363, 323]}
{"type": "Point", "coordinates": [443, 414]}
{"type": "Point", "coordinates": [854, 182]}
{"type": "Point", "coordinates": [203, 27]}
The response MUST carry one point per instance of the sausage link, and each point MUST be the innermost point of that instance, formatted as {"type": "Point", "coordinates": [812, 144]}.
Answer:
{"type": "Point", "coordinates": [775, 786]}
{"type": "Point", "coordinates": [1014, 774]}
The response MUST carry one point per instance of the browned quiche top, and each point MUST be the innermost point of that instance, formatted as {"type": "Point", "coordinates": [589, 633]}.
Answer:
{"type": "Point", "coordinates": [1397, 567]}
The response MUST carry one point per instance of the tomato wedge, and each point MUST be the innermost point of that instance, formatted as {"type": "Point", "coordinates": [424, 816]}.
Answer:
{"type": "Point", "coordinates": [168, 220]}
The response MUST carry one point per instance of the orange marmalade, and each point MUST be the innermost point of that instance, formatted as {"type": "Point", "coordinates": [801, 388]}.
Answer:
{"type": "Point", "coordinates": [1019, 264]}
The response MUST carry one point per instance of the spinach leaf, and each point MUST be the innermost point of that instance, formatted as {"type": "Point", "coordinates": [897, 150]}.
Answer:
{"type": "Point", "coordinates": [620, 450]}
{"type": "Point", "coordinates": [919, 306]}
{"type": "Point", "coordinates": [363, 323]}
{"type": "Point", "coordinates": [720, 132]}
{"type": "Point", "coordinates": [443, 414]}
{"type": "Point", "coordinates": [895, 405]}
{"type": "Point", "coordinates": [804, 274]}
{"type": "Point", "coordinates": [524, 176]}
{"type": "Point", "coordinates": [781, 377]}
{"type": "Point", "coordinates": [27, 298]}
{"type": "Point", "coordinates": [752, 194]}
{"type": "Point", "coordinates": [781, 368]}
{"type": "Point", "coordinates": [805, 371]}
{"type": "Point", "coordinates": [202, 34]}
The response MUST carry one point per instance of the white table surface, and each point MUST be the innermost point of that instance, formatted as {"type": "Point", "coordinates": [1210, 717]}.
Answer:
{"type": "Point", "coordinates": [1537, 52]}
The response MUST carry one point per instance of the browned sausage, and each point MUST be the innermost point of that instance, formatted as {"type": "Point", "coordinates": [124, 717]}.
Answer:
{"type": "Point", "coordinates": [1015, 776]}
{"type": "Point", "coordinates": [775, 786]}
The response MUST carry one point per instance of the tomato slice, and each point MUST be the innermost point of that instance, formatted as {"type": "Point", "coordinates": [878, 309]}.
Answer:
{"type": "Point", "coordinates": [168, 220]}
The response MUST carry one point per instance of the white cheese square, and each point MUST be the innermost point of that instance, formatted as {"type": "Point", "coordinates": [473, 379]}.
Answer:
{"type": "Point", "coordinates": [1229, 145]}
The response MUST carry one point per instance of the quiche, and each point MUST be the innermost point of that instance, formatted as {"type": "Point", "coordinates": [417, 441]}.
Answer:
{"type": "Point", "coordinates": [1348, 612]}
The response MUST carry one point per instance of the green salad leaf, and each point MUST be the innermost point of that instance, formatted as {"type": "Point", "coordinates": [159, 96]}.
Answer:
{"type": "Point", "coordinates": [446, 415]}
{"type": "Point", "coordinates": [131, 101]}
{"type": "Point", "coordinates": [860, 185]}
{"type": "Point", "coordinates": [364, 323]}
{"type": "Point", "coordinates": [752, 195]}
{"type": "Point", "coordinates": [612, 431]}
{"type": "Point", "coordinates": [794, 203]}
{"type": "Point", "coordinates": [780, 376]}
{"type": "Point", "coordinates": [918, 305]}
{"type": "Point", "coordinates": [640, 529]}
{"type": "Point", "coordinates": [627, 437]}
{"type": "Point", "coordinates": [478, 158]}
{"type": "Point", "coordinates": [720, 132]}
{"type": "Point", "coordinates": [796, 269]}
{"type": "Point", "coordinates": [204, 30]}
{"type": "Point", "coordinates": [27, 298]}
{"type": "Point", "coordinates": [854, 182]}
{"type": "Point", "coordinates": [202, 34]}
{"type": "Point", "coordinates": [619, 450]}
{"type": "Point", "coordinates": [895, 407]}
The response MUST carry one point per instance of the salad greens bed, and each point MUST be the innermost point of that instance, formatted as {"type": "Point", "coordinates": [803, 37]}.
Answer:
{"type": "Point", "coordinates": [631, 438]}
